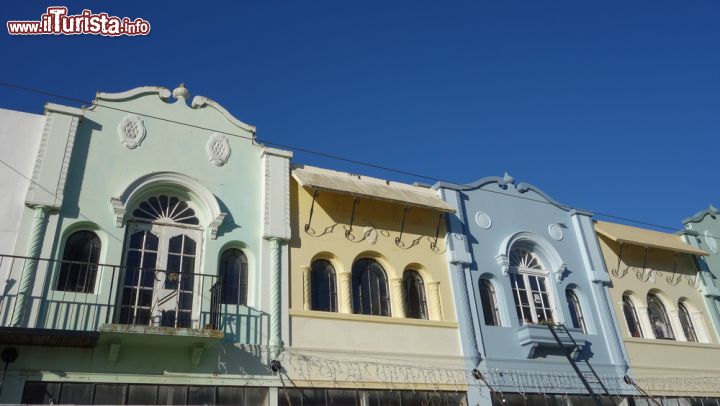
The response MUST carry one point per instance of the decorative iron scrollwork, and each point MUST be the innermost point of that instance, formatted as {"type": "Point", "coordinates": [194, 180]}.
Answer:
{"type": "Point", "coordinates": [671, 279]}
{"type": "Point", "coordinates": [433, 245]}
{"type": "Point", "coordinates": [640, 274]}
{"type": "Point", "coordinates": [348, 231]}
{"type": "Point", "coordinates": [617, 271]}
{"type": "Point", "coordinates": [312, 209]}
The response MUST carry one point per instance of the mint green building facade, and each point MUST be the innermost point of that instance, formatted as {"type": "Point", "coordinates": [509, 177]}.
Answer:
{"type": "Point", "coordinates": [172, 222]}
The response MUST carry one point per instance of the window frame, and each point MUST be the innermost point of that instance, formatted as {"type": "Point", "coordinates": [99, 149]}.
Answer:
{"type": "Point", "coordinates": [541, 276]}
{"type": "Point", "coordinates": [357, 288]}
{"type": "Point", "coordinates": [687, 323]}
{"type": "Point", "coordinates": [88, 265]}
{"type": "Point", "coordinates": [490, 307]}
{"type": "Point", "coordinates": [411, 276]}
{"type": "Point", "coordinates": [628, 305]}
{"type": "Point", "coordinates": [653, 299]}
{"type": "Point", "coordinates": [575, 308]}
{"type": "Point", "coordinates": [242, 278]}
{"type": "Point", "coordinates": [332, 285]}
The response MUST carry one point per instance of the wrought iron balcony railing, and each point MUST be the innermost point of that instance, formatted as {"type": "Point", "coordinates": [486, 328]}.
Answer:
{"type": "Point", "coordinates": [71, 295]}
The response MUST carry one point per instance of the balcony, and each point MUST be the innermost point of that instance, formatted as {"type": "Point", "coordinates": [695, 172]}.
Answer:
{"type": "Point", "coordinates": [534, 336]}
{"type": "Point", "coordinates": [75, 303]}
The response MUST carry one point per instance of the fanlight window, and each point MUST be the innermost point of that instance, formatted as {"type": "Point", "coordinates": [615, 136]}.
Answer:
{"type": "Point", "coordinates": [530, 289]}
{"type": "Point", "coordinates": [78, 270]}
{"type": "Point", "coordinates": [631, 317]}
{"type": "Point", "coordinates": [490, 307]}
{"type": "Point", "coordinates": [322, 286]}
{"type": "Point", "coordinates": [686, 323]}
{"type": "Point", "coordinates": [166, 209]}
{"type": "Point", "coordinates": [576, 315]}
{"type": "Point", "coordinates": [659, 318]}
{"type": "Point", "coordinates": [414, 294]}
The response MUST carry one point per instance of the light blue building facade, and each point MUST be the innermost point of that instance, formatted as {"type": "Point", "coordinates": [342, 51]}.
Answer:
{"type": "Point", "coordinates": [521, 261]}
{"type": "Point", "coordinates": [703, 231]}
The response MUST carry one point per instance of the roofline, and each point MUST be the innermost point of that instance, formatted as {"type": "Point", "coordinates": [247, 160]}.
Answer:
{"type": "Point", "coordinates": [521, 187]}
{"type": "Point", "coordinates": [699, 216]}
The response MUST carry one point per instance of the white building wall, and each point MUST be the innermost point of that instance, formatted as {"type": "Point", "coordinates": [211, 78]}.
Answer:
{"type": "Point", "coordinates": [20, 135]}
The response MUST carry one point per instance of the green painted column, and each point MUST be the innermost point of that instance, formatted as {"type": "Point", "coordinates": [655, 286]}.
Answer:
{"type": "Point", "coordinates": [32, 251]}
{"type": "Point", "coordinates": [276, 343]}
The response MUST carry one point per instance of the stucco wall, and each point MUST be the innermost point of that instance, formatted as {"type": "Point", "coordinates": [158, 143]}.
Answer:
{"type": "Point", "coordinates": [494, 216]}
{"type": "Point", "coordinates": [663, 367]}
{"type": "Point", "coordinates": [20, 135]}
{"type": "Point", "coordinates": [373, 339]}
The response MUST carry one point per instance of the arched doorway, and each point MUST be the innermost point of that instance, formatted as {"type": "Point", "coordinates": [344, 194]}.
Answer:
{"type": "Point", "coordinates": [162, 253]}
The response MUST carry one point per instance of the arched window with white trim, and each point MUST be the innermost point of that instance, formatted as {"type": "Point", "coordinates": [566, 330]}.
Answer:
{"type": "Point", "coordinates": [686, 323]}
{"type": "Point", "coordinates": [530, 287]}
{"type": "Point", "coordinates": [659, 319]}
{"type": "Point", "coordinates": [631, 317]}
{"type": "Point", "coordinates": [491, 310]}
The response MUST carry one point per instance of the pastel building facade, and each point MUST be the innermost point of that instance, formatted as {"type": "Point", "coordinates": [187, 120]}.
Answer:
{"type": "Point", "coordinates": [702, 231]}
{"type": "Point", "coordinates": [520, 261]}
{"type": "Point", "coordinates": [666, 328]}
{"type": "Point", "coordinates": [143, 253]}
{"type": "Point", "coordinates": [372, 318]}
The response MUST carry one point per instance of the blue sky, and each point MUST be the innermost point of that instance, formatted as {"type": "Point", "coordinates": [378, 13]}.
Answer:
{"type": "Point", "coordinates": [610, 106]}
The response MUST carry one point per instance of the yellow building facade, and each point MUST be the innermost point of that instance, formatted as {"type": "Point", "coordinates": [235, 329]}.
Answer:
{"type": "Point", "coordinates": [371, 302]}
{"type": "Point", "coordinates": [672, 347]}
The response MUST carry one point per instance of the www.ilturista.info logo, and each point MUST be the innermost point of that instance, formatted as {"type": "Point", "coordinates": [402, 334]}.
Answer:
{"type": "Point", "coordinates": [57, 21]}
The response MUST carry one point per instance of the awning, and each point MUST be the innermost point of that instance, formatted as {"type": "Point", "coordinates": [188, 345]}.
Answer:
{"type": "Point", "coordinates": [369, 188]}
{"type": "Point", "coordinates": [645, 238]}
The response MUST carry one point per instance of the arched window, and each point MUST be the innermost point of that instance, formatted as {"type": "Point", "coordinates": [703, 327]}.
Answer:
{"type": "Point", "coordinates": [576, 315]}
{"type": "Point", "coordinates": [234, 274]}
{"type": "Point", "coordinates": [530, 290]}
{"type": "Point", "coordinates": [322, 286]}
{"type": "Point", "coordinates": [490, 306]}
{"type": "Point", "coordinates": [631, 317]}
{"type": "Point", "coordinates": [370, 288]}
{"type": "Point", "coordinates": [414, 294]}
{"type": "Point", "coordinates": [78, 270]}
{"type": "Point", "coordinates": [659, 318]}
{"type": "Point", "coordinates": [686, 323]}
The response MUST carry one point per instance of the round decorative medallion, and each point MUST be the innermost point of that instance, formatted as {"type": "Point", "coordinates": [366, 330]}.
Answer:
{"type": "Point", "coordinates": [555, 232]}
{"type": "Point", "coordinates": [132, 131]}
{"type": "Point", "coordinates": [711, 242]}
{"type": "Point", "coordinates": [483, 220]}
{"type": "Point", "coordinates": [218, 149]}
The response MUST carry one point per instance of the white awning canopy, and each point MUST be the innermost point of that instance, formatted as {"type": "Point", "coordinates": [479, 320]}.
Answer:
{"type": "Point", "coordinates": [369, 188]}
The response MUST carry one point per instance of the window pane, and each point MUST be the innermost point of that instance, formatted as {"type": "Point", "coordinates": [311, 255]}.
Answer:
{"type": "Point", "coordinates": [370, 293]}
{"type": "Point", "coordinates": [414, 291]}
{"type": "Point", "coordinates": [41, 392]}
{"type": "Point", "coordinates": [82, 253]}
{"type": "Point", "coordinates": [201, 395]}
{"type": "Point", "coordinates": [109, 394]}
{"type": "Point", "coordinates": [256, 396]}
{"type": "Point", "coordinates": [489, 306]}
{"type": "Point", "coordinates": [417, 398]}
{"type": "Point", "coordinates": [77, 393]}
{"type": "Point", "coordinates": [228, 395]}
{"type": "Point", "coordinates": [142, 394]}
{"type": "Point", "coordinates": [233, 271]}
{"type": "Point", "coordinates": [686, 323]}
{"type": "Point", "coordinates": [631, 318]}
{"type": "Point", "coordinates": [322, 284]}
{"type": "Point", "coordinates": [339, 397]}
{"type": "Point", "coordinates": [172, 395]}
{"type": "Point", "coordinates": [659, 319]}
{"type": "Point", "coordinates": [289, 397]}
